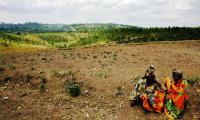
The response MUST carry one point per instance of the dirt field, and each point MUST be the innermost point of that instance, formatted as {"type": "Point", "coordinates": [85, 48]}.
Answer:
{"type": "Point", "coordinates": [106, 75]}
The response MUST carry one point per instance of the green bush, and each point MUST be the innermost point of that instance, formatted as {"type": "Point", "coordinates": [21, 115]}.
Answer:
{"type": "Point", "coordinates": [43, 88]}
{"type": "Point", "coordinates": [43, 82]}
{"type": "Point", "coordinates": [72, 87]}
{"type": "Point", "coordinates": [74, 90]}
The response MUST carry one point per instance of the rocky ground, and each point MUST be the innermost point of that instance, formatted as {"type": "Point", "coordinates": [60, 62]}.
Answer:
{"type": "Point", "coordinates": [106, 76]}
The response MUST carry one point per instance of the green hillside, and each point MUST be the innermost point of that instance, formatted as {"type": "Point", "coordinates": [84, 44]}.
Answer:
{"type": "Point", "coordinates": [37, 27]}
{"type": "Point", "coordinates": [65, 36]}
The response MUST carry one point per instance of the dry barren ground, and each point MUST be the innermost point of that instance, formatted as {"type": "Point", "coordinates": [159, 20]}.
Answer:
{"type": "Point", "coordinates": [106, 75]}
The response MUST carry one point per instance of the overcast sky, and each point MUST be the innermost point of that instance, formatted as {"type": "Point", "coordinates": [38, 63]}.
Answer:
{"type": "Point", "coordinates": [132, 12]}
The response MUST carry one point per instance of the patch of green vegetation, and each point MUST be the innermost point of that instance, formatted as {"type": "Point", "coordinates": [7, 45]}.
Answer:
{"type": "Point", "coordinates": [74, 90]}
{"type": "Point", "coordinates": [103, 75]}
{"type": "Point", "coordinates": [4, 43]}
{"type": "Point", "coordinates": [193, 81]}
{"type": "Point", "coordinates": [10, 66]}
{"type": "Point", "coordinates": [42, 77]}
{"type": "Point", "coordinates": [42, 86]}
{"type": "Point", "coordinates": [71, 86]}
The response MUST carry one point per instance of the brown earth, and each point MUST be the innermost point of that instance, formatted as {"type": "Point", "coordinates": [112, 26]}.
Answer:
{"type": "Point", "coordinates": [106, 75]}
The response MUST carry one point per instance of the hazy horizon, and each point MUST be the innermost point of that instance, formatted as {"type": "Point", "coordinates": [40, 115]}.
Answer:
{"type": "Point", "coordinates": [142, 13]}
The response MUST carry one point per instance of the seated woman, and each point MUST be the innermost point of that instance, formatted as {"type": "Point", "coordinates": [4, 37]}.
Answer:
{"type": "Point", "coordinates": [176, 96]}
{"type": "Point", "coordinates": [148, 92]}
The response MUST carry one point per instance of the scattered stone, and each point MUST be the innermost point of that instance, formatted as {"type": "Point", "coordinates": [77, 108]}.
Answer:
{"type": "Point", "coordinates": [3, 88]}
{"type": "Point", "coordinates": [19, 107]}
{"type": "Point", "coordinates": [198, 90]}
{"type": "Point", "coordinates": [195, 116]}
{"type": "Point", "coordinates": [5, 98]}
{"type": "Point", "coordinates": [86, 91]}
{"type": "Point", "coordinates": [87, 115]}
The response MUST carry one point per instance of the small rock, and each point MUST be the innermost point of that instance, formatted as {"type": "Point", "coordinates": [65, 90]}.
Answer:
{"type": "Point", "coordinates": [5, 98]}
{"type": "Point", "coordinates": [195, 117]}
{"type": "Point", "coordinates": [86, 91]}
{"type": "Point", "coordinates": [3, 88]}
{"type": "Point", "coordinates": [198, 90]}
{"type": "Point", "coordinates": [20, 107]}
{"type": "Point", "coordinates": [87, 115]}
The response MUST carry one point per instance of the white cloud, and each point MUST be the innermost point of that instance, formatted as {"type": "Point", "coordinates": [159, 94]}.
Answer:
{"type": "Point", "coordinates": [134, 12]}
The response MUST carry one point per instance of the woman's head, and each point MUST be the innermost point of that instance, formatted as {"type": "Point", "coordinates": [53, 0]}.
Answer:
{"type": "Point", "coordinates": [177, 74]}
{"type": "Point", "coordinates": [150, 75]}
{"type": "Point", "coordinates": [150, 72]}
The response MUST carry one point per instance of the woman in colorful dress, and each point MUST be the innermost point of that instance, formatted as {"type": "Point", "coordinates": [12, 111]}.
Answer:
{"type": "Point", "coordinates": [148, 92]}
{"type": "Point", "coordinates": [176, 96]}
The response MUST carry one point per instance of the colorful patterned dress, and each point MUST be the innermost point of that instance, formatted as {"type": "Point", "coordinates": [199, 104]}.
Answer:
{"type": "Point", "coordinates": [175, 97]}
{"type": "Point", "coordinates": [151, 97]}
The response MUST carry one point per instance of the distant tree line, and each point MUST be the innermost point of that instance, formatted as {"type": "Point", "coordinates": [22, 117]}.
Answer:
{"type": "Point", "coordinates": [136, 34]}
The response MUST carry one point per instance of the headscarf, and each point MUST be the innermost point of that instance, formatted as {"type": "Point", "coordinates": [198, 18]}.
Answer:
{"type": "Point", "coordinates": [177, 74]}
{"type": "Point", "coordinates": [150, 75]}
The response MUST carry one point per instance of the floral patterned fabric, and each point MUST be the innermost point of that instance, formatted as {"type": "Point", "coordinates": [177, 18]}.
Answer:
{"type": "Point", "coordinates": [175, 97]}
{"type": "Point", "coordinates": [152, 99]}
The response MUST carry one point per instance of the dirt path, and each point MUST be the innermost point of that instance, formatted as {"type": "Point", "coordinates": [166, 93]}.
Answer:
{"type": "Point", "coordinates": [106, 75]}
